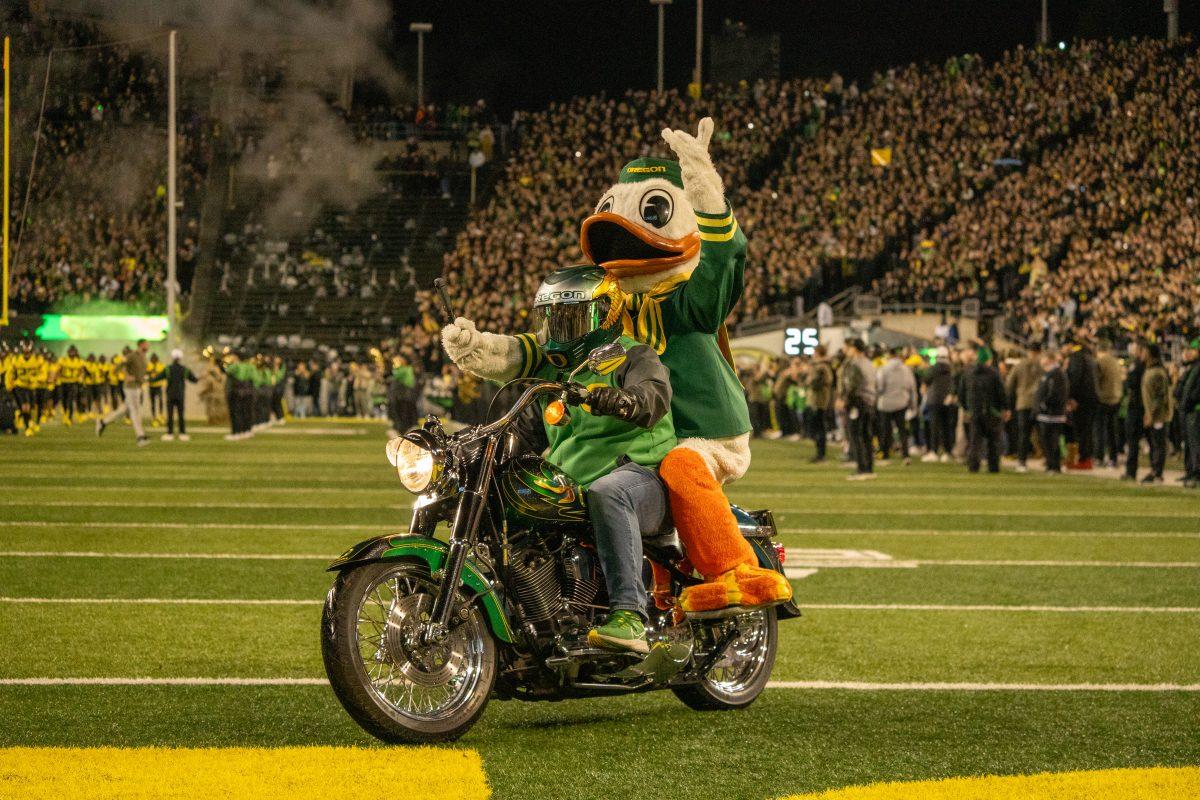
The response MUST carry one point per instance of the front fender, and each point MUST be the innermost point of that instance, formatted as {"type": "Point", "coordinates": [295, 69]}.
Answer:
{"type": "Point", "coordinates": [399, 547]}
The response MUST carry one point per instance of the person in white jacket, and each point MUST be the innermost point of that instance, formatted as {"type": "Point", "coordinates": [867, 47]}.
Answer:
{"type": "Point", "coordinates": [896, 388]}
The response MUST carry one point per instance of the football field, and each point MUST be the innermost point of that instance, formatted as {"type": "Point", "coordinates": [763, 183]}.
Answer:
{"type": "Point", "coordinates": [954, 624]}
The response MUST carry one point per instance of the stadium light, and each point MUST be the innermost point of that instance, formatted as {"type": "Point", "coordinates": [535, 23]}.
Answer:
{"type": "Point", "coordinates": [420, 29]}
{"type": "Point", "coordinates": [1171, 9]}
{"type": "Point", "coordinates": [1044, 28]}
{"type": "Point", "coordinates": [662, 7]}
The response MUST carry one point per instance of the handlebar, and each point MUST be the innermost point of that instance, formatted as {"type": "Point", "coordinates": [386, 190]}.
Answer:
{"type": "Point", "coordinates": [572, 394]}
{"type": "Point", "coordinates": [522, 403]}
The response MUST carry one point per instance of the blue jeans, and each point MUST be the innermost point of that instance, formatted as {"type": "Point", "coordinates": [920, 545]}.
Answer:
{"type": "Point", "coordinates": [624, 504]}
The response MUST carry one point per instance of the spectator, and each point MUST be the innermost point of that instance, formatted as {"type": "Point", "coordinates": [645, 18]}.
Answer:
{"type": "Point", "coordinates": [1082, 375]}
{"type": "Point", "coordinates": [1156, 399]}
{"type": "Point", "coordinates": [1135, 411]}
{"type": "Point", "coordinates": [1188, 404]}
{"type": "Point", "coordinates": [820, 400]}
{"type": "Point", "coordinates": [1022, 384]}
{"type": "Point", "coordinates": [986, 408]}
{"type": "Point", "coordinates": [178, 377]}
{"type": "Point", "coordinates": [856, 397]}
{"type": "Point", "coordinates": [1050, 400]}
{"type": "Point", "coordinates": [940, 401]}
{"type": "Point", "coordinates": [135, 376]}
{"type": "Point", "coordinates": [896, 403]}
{"type": "Point", "coordinates": [1111, 379]}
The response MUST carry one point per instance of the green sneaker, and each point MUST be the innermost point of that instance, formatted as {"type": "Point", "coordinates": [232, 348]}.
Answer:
{"type": "Point", "coordinates": [623, 630]}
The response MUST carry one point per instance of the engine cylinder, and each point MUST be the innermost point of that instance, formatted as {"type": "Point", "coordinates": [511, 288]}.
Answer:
{"type": "Point", "coordinates": [537, 585]}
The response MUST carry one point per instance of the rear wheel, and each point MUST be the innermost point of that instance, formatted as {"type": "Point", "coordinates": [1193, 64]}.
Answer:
{"type": "Point", "coordinates": [741, 672]}
{"type": "Point", "coordinates": [396, 687]}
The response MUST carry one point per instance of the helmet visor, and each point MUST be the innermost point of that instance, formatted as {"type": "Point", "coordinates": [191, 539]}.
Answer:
{"type": "Point", "coordinates": [566, 322]}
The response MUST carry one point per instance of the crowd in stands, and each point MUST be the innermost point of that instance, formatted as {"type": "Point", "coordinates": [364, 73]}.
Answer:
{"type": "Point", "coordinates": [1030, 183]}
{"type": "Point", "coordinates": [567, 154]}
{"type": "Point", "coordinates": [1052, 184]}
{"type": "Point", "coordinates": [94, 226]}
{"type": "Point", "coordinates": [1112, 207]}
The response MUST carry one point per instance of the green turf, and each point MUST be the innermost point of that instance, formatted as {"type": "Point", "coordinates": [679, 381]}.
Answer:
{"type": "Point", "coordinates": [315, 495]}
{"type": "Point", "coordinates": [789, 741]}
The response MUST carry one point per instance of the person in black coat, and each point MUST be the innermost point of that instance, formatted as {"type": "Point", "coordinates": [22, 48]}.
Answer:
{"type": "Point", "coordinates": [178, 376]}
{"type": "Point", "coordinates": [1084, 381]}
{"type": "Point", "coordinates": [1187, 404]}
{"type": "Point", "coordinates": [986, 404]}
{"type": "Point", "coordinates": [939, 397]}
{"type": "Point", "coordinates": [1050, 404]}
{"type": "Point", "coordinates": [1134, 429]}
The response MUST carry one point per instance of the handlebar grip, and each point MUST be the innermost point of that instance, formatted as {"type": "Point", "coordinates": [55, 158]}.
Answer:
{"type": "Point", "coordinates": [576, 395]}
{"type": "Point", "coordinates": [624, 407]}
{"type": "Point", "coordinates": [439, 286]}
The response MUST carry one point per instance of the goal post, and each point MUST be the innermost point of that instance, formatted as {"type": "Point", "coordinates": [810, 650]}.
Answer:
{"type": "Point", "coordinates": [4, 233]}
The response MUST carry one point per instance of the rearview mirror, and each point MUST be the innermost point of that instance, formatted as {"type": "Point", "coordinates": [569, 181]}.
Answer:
{"type": "Point", "coordinates": [603, 354]}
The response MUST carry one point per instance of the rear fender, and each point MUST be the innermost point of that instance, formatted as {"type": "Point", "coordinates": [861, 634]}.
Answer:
{"type": "Point", "coordinates": [759, 529]}
{"type": "Point", "coordinates": [406, 547]}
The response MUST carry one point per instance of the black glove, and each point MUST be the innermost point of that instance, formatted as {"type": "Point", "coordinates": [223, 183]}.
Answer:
{"type": "Point", "coordinates": [609, 401]}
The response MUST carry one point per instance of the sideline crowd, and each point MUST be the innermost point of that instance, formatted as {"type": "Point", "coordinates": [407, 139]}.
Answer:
{"type": "Point", "coordinates": [1080, 407]}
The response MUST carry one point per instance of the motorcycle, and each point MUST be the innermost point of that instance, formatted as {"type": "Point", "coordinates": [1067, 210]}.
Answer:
{"type": "Point", "coordinates": [418, 632]}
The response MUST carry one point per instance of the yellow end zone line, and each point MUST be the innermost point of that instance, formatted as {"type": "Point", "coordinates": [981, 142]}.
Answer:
{"type": "Point", "coordinates": [295, 773]}
{"type": "Point", "coordinates": [1156, 783]}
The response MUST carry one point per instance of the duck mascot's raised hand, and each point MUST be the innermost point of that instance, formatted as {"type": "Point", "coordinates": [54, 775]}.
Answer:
{"type": "Point", "coordinates": [666, 234]}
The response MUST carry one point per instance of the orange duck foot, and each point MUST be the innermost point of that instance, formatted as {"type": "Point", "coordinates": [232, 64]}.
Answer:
{"type": "Point", "coordinates": [745, 586]}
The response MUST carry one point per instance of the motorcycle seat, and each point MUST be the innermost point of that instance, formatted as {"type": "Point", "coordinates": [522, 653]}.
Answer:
{"type": "Point", "coordinates": [664, 546]}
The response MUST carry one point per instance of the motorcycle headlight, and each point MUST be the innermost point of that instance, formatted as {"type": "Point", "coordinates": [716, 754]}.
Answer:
{"type": "Point", "coordinates": [417, 466]}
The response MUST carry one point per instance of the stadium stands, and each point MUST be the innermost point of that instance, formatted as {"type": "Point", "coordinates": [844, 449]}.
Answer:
{"type": "Point", "coordinates": [1054, 184]}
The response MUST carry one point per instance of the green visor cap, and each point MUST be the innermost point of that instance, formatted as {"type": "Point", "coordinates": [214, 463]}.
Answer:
{"type": "Point", "coordinates": [643, 169]}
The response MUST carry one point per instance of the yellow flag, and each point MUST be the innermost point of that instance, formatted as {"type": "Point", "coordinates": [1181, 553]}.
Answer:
{"type": "Point", "coordinates": [881, 156]}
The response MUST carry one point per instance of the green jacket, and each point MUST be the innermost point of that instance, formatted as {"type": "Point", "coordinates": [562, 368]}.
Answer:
{"type": "Point", "coordinates": [681, 322]}
{"type": "Point", "coordinates": [403, 375]}
{"type": "Point", "coordinates": [588, 447]}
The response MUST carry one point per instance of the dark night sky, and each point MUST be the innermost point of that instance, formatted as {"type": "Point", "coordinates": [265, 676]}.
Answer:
{"type": "Point", "coordinates": [524, 54]}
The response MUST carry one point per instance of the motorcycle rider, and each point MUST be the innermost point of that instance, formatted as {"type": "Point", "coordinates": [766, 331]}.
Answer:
{"type": "Point", "coordinates": [611, 444]}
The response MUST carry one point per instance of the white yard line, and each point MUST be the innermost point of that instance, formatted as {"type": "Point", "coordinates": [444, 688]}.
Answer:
{"type": "Point", "coordinates": [798, 568]}
{"type": "Point", "coordinates": [396, 490]}
{"type": "Point", "coordinates": [789, 531]}
{"type": "Point", "coordinates": [176, 504]}
{"type": "Point", "coordinates": [1095, 513]}
{"type": "Point", "coordinates": [155, 601]}
{"type": "Point", "coordinates": [823, 495]}
{"type": "Point", "coordinates": [1003, 608]}
{"type": "Point", "coordinates": [983, 534]}
{"type": "Point", "coordinates": [218, 556]}
{"type": "Point", "coordinates": [971, 562]}
{"type": "Point", "coordinates": [863, 686]}
{"type": "Point", "coordinates": [1056, 497]}
{"type": "Point", "coordinates": [795, 566]}
{"type": "Point", "coordinates": [163, 682]}
{"type": "Point", "coordinates": [810, 606]}
{"type": "Point", "coordinates": [262, 526]}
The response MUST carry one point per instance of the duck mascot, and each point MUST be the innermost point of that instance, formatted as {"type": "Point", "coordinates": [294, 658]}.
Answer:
{"type": "Point", "coordinates": [667, 236]}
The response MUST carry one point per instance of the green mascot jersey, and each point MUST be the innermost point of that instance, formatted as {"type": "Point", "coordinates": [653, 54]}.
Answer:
{"type": "Point", "coordinates": [588, 447]}
{"type": "Point", "coordinates": [680, 319]}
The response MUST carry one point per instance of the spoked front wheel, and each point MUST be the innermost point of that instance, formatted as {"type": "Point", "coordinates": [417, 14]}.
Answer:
{"type": "Point", "coordinates": [398, 687]}
{"type": "Point", "coordinates": [741, 672]}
